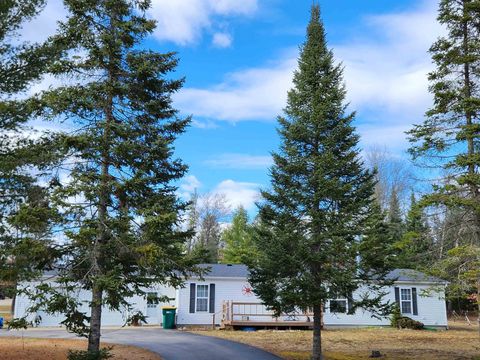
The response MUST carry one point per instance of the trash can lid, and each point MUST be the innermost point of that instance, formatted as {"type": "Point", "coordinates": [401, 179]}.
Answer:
{"type": "Point", "coordinates": [169, 307]}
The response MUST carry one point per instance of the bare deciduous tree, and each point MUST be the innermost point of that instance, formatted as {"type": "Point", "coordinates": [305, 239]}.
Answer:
{"type": "Point", "coordinates": [393, 175]}
{"type": "Point", "coordinates": [205, 217]}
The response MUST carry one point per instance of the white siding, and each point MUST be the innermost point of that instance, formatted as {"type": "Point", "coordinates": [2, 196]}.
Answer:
{"type": "Point", "coordinates": [109, 317]}
{"type": "Point", "coordinates": [225, 289]}
{"type": "Point", "coordinates": [431, 310]}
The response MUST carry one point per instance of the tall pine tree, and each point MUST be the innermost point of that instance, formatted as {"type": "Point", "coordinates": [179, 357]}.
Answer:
{"type": "Point", "coordinates": [416, 246]}
{"type": "Point", "coordinates": [449, 137]}
{"type": "Point", "coordinates": [25, 217]}
{"type": "Point", "coordinates": [309, 236]}
{"type": "Point", "coordinates": [20, 61]}
{"type": "Point", "coordinates": [395, 221]}
{"type": "Point", "coordinates": [114, 191]}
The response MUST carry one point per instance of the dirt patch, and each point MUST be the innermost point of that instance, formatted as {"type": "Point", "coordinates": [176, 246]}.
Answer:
{"type": "Point", "coordinates": [57, 349]}
{"type": "Point", "coordinates": [458, 343]}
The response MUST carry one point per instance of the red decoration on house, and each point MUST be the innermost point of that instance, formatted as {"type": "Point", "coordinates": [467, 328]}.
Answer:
{"type": "Point", "coordinates": [247, 290]}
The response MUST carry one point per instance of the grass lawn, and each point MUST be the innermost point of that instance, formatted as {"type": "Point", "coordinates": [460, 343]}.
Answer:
{"type": "Point", "coordinates": [56, 349]}
{"type": "Point", "coordinates": [460, 342]}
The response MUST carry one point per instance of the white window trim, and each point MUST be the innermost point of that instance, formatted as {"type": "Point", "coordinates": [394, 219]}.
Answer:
{"type": "Point", "coordinates": [406, 301]}
{"type": "Point", "coordinates": [203, 297]}
{"type": "Point", "coordinates": [338, 299]}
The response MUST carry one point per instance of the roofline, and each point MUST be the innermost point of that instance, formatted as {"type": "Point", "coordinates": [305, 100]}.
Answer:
{"type": "Point", "coordinates": [421, 282]}
{"type": "Point", "coordinates": [219, 277]}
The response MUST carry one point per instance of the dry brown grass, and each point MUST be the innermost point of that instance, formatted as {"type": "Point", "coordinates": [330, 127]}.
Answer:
{"type": "Point", "coordinates": [57, 349]}
{"type": "Point", "coordinates": [460, 342]}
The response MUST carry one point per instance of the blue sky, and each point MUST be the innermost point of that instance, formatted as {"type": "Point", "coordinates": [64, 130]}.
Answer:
{"type": "Point", "coordinates": [238, 57]}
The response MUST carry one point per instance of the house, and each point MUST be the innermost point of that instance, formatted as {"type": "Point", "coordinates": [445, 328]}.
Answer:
{"type": "Point", "coordinates": [224, 297]}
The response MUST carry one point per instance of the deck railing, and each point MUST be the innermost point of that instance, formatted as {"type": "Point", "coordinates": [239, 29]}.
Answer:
{"type": "Point", "coordinates": [233, 311]}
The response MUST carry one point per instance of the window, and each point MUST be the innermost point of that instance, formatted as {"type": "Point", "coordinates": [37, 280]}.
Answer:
{"type": "Point", "coordinates": [406, 301]}
{"type": "Point", "coordinates": [202, 297]}
{"type": "Point", "coordinates": [338, 306]}
{"type": "Point", "coordinates": [152, 300]}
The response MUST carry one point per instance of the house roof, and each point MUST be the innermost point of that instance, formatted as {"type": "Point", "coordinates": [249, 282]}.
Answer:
{"type": "Point", "coordinates": [226, 270]}
{"type": "Point", "coordinates": [241, 271]}
{"type": "Point", "coordinates": [409, 275]}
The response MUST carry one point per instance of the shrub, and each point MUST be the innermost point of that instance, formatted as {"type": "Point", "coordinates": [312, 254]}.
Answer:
{"type": "Point", "coordinates": [407, 323]}
{"type": "Point", "coordinates": [103, 354]}
{"type": "Point", "coordinates": [396, 316]}
{"type": "Point", "coordinates": [404, 322]}
{"type": "Point", "coordinates": [136, 319]}
{"type": "Point", "coordinates": [20, 323]}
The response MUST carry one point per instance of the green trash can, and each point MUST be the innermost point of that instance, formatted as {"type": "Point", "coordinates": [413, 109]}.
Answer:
{"type": "Point", "coordinates": [169, 317]}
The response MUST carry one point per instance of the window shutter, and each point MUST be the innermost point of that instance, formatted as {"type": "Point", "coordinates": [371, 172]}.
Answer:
{"type": "Point", "coordinates": [414, 301]}
{"type": "Point", "coordinates": [211, 304]}
{"type": "Point", "coordinates": [397, 296]}
{"type": "Point", "coordinates": [192, 297]}
{"type": "Point", "coordinates": [350, 310]}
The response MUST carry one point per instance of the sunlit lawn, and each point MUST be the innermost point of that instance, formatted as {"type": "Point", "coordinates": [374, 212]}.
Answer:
{"type": "Point", "coordinates": [460, 342]}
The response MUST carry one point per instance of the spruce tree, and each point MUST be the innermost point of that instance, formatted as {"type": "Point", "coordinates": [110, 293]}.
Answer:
{"type": "Point", "coordinates": [395, 220]}
{"type": "Point", "coordinates": [114, 192]}
{"type": "Point", "coordinates": [377, 251]}
{"type": "Point", "coordinates": [416, 246]}
{"type": "Point", "coordinates": [25, 216]}
{"type": "Point", "coordinates": [238, 240]}
{"type": "Point", "coordinates": [448, 138]}
{"type": "Point", "coordinates": [313, 218]}
{"type": "Point", "coordinates": [20, 61]}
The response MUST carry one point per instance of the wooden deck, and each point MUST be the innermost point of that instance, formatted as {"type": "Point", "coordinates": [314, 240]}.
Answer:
{"type": "Point", "coordinates": [245, 314]}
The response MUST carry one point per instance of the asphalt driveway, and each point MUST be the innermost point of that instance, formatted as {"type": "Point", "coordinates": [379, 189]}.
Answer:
{"type": "Point", "coordinates": [169, 344]}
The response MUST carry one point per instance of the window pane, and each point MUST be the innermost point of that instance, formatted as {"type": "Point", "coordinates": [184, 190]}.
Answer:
{"type": "Point", "coordinates": [338, 306]}
{"type": "Point", "coordinates": [202, 297]}
{"type": "Point", "coordinates": [202, 304]}
{"type": "Point", "coordinates": [202, 291]}
{"type": "Point", "coordinates": [406, 295]}
{"type": "Point", "coordinates": [406, 307]}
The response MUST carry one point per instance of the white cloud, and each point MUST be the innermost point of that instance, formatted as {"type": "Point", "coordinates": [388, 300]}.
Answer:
{"type": "Point", "coordinates": [222, 40]}
{"type": "Point", "coordinates": [45, 25]}
{"type": "Point", "coordinates": [385, 72]}
{"type": "Point", "coordinates": [239, 193]}
{"type": "Point", "coordinates": [235, 193]}
{"type": "Point", "coordinates": [240, 161]}
{"type": "Point", "coordinates": [184, 21]}
{"type": "Point", "coordinates": [252, 94]}
{"type": "Point", "coordinates": [388, 73]}
{"type": "Point", "coordinates": [207, 124]}
{"type": "Point", "coordinates": [391, 135]}
{"type": "Point", "coordinates": [179, 21]}
{"type": "Point", "coordinates": [189, 185]}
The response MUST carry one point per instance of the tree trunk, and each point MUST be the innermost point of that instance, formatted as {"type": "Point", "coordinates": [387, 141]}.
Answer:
{"type": "Point", "coordinates": [317, 333]}
{"type": "Point", "coordinates": [103, 199]}
{"type": "Point", "coordinates": [95, 321]}
{"type": "Point", "coordinates": [97, 291]}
